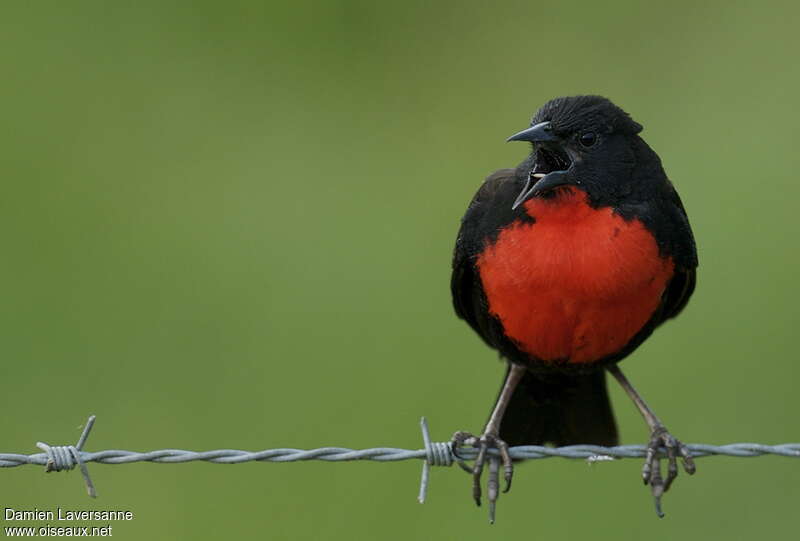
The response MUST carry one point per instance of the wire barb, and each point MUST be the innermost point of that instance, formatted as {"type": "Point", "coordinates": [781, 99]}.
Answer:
{"type": "Point", "coordinates": [61, 458]}
{"type": "Point", "coordinates": [436, 454]}
{"type": "Point", "coordinates": [65, 457]}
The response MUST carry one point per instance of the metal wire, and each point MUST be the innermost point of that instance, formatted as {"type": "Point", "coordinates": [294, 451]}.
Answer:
{"type": "Point", "coordinates": [60, 458]}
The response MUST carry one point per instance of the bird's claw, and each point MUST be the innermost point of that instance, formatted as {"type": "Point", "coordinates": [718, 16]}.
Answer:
{"type": "Point", "coordinates": [651, 472]}
{"type": "Point", "coordinates": [483, 444]}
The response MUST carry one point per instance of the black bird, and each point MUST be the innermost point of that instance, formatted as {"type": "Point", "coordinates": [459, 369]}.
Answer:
{"type": "Point", "coordinates": [565, 265]}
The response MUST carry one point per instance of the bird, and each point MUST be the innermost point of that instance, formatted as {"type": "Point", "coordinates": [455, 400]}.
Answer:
{"type": "Point", "coordinates": [565, 265]}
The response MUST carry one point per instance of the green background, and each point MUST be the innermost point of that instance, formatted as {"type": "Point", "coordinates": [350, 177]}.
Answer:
{"type": "Point", "coordinates": [229, 225]}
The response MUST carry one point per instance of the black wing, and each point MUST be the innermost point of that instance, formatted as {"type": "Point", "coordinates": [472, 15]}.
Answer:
{"type": "Point", "coordinates": [489, 210]}
{"type": "Point", "coordinates": [677, 294]}
{"type": "Point", "coordinates": [684, 255]}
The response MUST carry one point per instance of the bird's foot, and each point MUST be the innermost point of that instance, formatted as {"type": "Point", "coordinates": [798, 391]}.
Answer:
{"type": "Point", "coordinates": [651, 472]}
{"type": "Point", "coordinates": [483, 443]}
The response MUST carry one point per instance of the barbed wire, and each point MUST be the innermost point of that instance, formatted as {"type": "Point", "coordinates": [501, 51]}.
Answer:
{"type": "Point", "coordinates": [66, 457]}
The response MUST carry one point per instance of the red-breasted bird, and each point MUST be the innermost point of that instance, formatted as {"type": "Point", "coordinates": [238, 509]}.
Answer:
{"type": "Point", "coordinates": [565, 265]}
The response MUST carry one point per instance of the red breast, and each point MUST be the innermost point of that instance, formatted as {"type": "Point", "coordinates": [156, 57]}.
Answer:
{"type": "Point", "coordinates": [576, 285]}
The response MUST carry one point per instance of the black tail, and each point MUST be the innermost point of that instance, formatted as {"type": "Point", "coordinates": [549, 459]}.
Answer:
{"type": "Point", "coordinates": [561, 410]}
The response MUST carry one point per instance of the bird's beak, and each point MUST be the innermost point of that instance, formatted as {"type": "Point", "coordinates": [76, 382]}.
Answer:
{"type": "Point", "coordinates": [538, 133]}
{"type": "Point", "coordinates": [539, 181]}
{"type": "Point", "coordinates": [543, 183]}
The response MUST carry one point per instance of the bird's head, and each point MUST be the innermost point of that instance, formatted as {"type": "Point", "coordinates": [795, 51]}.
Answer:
{"type": "Point", "coordinates": [582, 141]}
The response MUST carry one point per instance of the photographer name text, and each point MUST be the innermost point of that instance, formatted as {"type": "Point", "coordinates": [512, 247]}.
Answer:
{"type": "Point", "coordinates": [66, 514]}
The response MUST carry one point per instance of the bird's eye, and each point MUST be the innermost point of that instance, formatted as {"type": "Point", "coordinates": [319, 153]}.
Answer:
{"type": "Point", "coordinates": [588, 138]}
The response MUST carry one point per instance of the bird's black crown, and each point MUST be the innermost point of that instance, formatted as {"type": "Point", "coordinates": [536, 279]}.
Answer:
{"type": "Point", "coordinates": [571, 113]}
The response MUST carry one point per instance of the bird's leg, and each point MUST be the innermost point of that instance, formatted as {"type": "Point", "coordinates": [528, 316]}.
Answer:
{"type": "Point", "coordinates": [659, 437]}
{"type": "Point", "coordinates": [490, 438]}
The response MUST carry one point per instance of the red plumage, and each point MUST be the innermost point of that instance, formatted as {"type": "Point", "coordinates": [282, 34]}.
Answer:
{"type": "Point", "coordinates": [577, 284]}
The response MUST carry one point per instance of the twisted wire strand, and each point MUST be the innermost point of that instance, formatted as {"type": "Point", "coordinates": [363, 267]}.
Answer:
{"type": "Point", "coordinates": [389, 454]}
{"type": "Point", "coordinates": [60, 458]}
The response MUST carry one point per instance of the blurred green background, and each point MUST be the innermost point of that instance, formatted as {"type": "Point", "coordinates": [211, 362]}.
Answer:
{"type": "Point", "coordinates": [229, 225]}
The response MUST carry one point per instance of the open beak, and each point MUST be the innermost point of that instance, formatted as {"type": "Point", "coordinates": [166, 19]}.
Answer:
{"type": "Point", "coordinates": [547, 174]}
